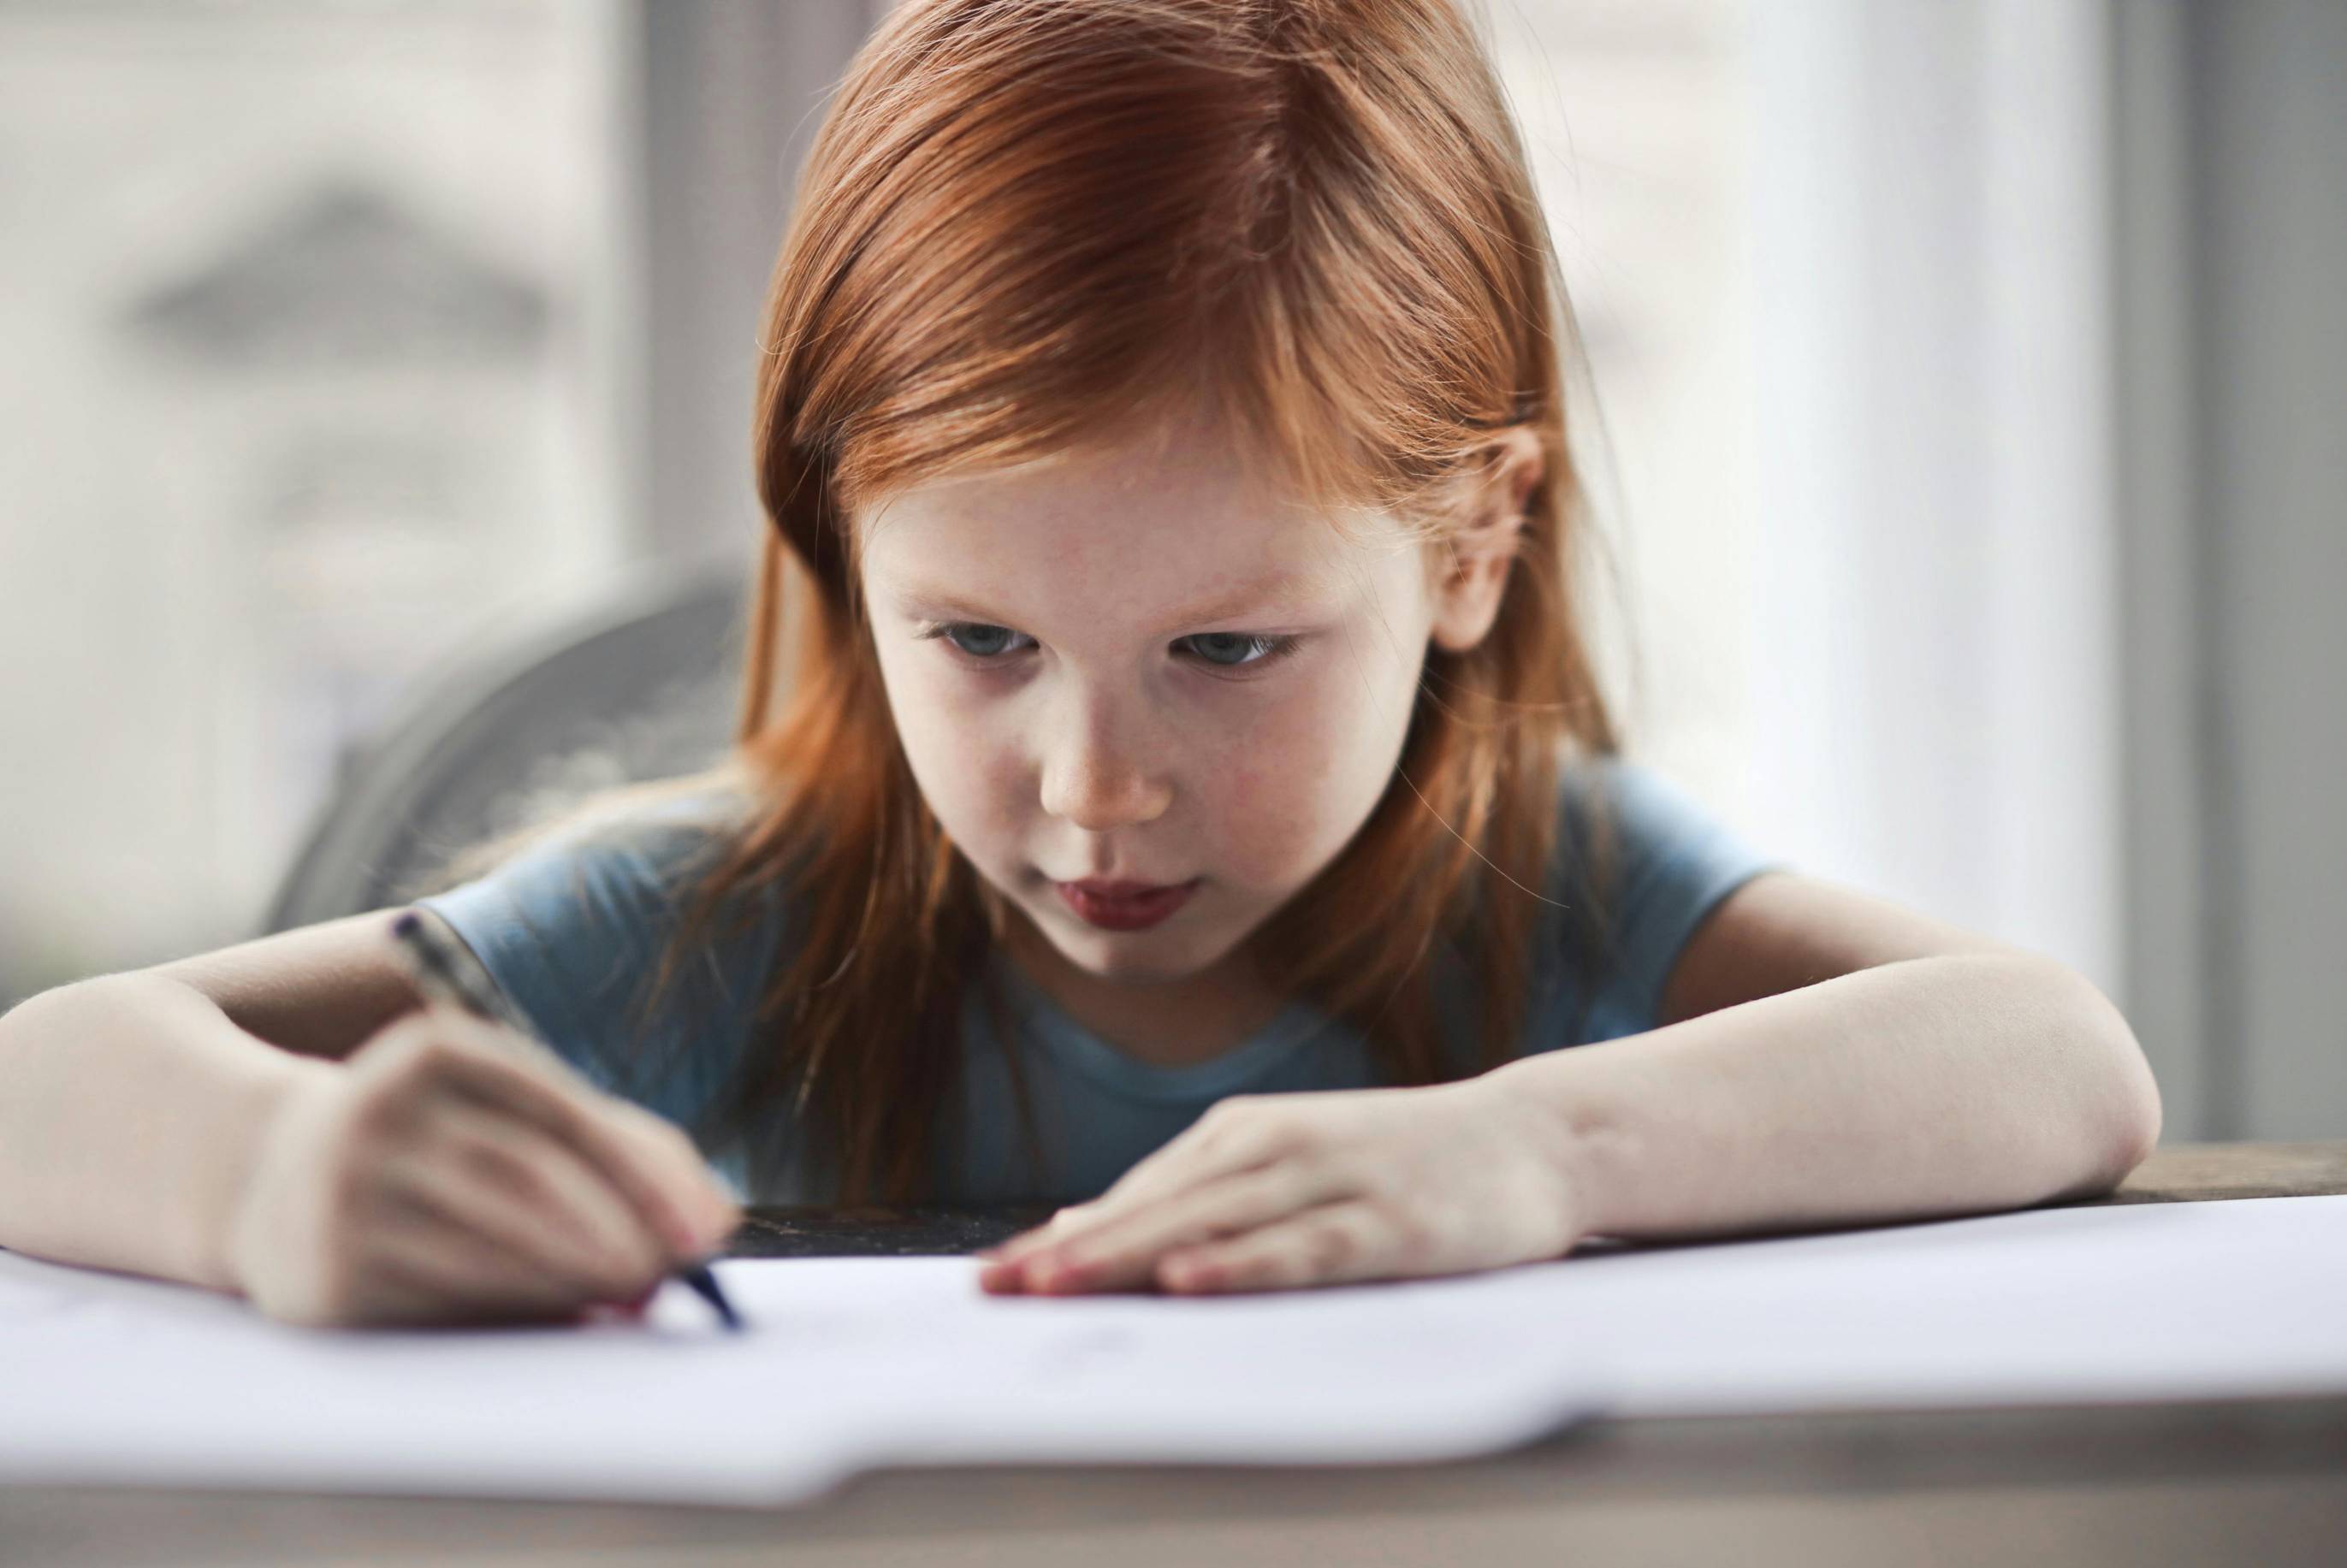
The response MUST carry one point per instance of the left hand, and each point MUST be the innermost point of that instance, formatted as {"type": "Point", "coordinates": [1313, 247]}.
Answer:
{"type": "Point", "coordinates": [1273, 1190]}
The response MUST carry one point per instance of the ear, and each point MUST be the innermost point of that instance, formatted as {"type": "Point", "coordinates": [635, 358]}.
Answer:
{"type": "Point", "coordinates": [1470, 568]}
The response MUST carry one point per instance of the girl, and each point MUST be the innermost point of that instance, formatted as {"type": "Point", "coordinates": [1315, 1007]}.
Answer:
{"type": "Point", "coordinates": [1190, 793]}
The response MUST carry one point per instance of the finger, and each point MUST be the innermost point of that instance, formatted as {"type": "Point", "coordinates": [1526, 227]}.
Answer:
{"type": "Point", "coordinates": [1033, 1239]}
{"type": "Point", "coordinates": [1245, 1136]}
{"type": "Point", "coordinates": [424, 1269]}
{"type": "Point", "coordinates": [1122, 1253]}
{"type": "Point", "coordinates": [660, 1189]}
{"type": "Point", "coordinates": [381, 1300]}
{"type": "Point", "coordinates": [1201, 1154]}
{"type": "Point", "coordinates": [511, 1183]}
{"type": "Point", "coordinates": [558, 1181]}
{"type": "Point", "coordinates": [707, 1199]}
{"type": "Point", "coordinates": [1333, 1245]}
{"type": "Point", "coordinates": [1086, 1218]}
{"type": "Point", "coordinates": [1016, 1265]}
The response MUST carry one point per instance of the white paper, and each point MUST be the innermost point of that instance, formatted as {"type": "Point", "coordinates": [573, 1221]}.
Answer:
{"type": "Point", "coordinates": [2240, 1298]}
{"type": "Point", "coordinates": [855, 1362]}
{"type": "Point", "coordinates": [848, 1363]}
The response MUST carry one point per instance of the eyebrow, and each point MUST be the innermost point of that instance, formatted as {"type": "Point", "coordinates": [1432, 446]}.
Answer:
{"type": "Point", "coordinates": [1277, 592]}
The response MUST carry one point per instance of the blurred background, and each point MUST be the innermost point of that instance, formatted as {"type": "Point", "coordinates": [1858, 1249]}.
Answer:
{"type": "Point", "coordinates": [1971, 402]}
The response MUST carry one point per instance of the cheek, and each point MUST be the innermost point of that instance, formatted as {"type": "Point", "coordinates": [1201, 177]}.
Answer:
{"type": "Point", "coordinates": [1308, 771]}
{"type": "Point", "coordinates": [942, 733]}
{"type": "Point", "coordinates": [966, 770]}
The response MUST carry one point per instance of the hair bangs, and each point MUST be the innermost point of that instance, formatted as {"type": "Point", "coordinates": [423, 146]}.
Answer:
{"type": "Point", "coordinates": [1163, 215]}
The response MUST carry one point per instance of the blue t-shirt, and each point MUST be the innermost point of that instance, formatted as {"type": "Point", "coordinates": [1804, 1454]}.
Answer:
{"type": "Point", "coordinates": [572, 927]}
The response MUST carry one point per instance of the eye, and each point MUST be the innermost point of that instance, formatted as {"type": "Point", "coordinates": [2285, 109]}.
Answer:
{"type": "Point", "coordinates": [1230, 650]}
{"type": "Point", "coordinates": [978, 639]}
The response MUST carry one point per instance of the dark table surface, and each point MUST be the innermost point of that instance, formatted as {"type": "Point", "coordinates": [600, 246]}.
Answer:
{"type": "Point", "coordinates": [2262, 1482]}
{"type": "Point", "coordinates": [918, 1232]}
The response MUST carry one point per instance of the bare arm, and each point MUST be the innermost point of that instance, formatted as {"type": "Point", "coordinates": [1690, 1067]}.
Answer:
{"type": "Point", "coordinates": [131, 1104]}
{"type": "Point", "coordinates": [1822, 1057]}
{"type": "Point", "coordinates": [1951, 1084]}
{"type": "Point", "coordinates": [278, 1118]}
{"type": "Point", "coordinates": [1828, 1055]}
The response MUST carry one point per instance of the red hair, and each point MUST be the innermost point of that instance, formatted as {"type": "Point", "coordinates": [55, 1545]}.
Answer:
{"type": "Point", "coordinates": [1029, 228]}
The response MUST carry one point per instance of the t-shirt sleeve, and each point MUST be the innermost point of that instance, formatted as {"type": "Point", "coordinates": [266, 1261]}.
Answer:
{"type": "Point", "coordinates": [1674, 862]}
{"type": "Point", "coordinates": [573, 929]}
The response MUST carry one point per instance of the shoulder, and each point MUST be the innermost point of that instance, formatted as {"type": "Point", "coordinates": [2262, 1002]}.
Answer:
{"type": "Point", "coordinates": [609, 875]}
{"type": "Point", "coordinates": [1694, 925]}
{"type": "Point", "coordinates": [1641, 862]}
{"type": "Point", "coordinates": [1642, 829]}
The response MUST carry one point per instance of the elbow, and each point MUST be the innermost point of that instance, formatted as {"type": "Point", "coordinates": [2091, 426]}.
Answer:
{"type": "Point", "coordinates": [2133, 1116]}
{"type": "Point", "coordinates": [2119, 1097]}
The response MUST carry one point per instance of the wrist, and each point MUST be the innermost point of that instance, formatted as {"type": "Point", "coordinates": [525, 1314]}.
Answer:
{"type": "Point", "coordinates": [266, 1108]}
{"type": "Point", "coordinates": [1572, 1132]}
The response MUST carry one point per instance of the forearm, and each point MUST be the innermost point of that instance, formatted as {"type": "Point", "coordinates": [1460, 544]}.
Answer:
{"type": "Point", "coordinates": [1943, 1085]}
{"type": "Point", "coordinates": [130, 1108]}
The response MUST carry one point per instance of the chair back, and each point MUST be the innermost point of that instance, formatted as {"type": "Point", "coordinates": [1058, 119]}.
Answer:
{"type": "Point", "coordinates": [642, 686]}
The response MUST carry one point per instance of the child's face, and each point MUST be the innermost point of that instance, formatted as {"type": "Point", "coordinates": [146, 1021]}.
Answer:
{"type": "Point", "coordinates": [1130, 669]}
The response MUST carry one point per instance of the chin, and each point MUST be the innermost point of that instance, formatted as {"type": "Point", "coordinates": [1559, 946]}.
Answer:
{"type": "Point", "coordinates": [1141, 958]}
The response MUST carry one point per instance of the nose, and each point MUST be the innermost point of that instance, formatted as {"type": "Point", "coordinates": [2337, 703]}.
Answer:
{"type": "Point", "coordinates": [1095, 777]}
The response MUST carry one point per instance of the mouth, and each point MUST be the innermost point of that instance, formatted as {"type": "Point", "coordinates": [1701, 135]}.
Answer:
{"type": "Point", "coordinates": [1124, 906]}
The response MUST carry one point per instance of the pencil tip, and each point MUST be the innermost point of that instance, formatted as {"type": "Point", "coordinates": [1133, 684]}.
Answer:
{"type": "Point", "coordinates": [704, 1285]}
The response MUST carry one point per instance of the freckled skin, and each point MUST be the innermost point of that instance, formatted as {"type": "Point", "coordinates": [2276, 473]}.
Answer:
{"type": "Point", "coordinates": [1106, 747]}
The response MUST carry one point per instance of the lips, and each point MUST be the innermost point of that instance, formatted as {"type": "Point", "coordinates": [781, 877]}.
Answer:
{"type": "Point", "coordinates": [1124, 906]}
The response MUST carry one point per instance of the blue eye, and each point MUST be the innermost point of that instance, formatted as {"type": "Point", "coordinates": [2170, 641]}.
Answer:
{"type": "Point", "coordinates": [1230, 650]}
{"type": "Point", "coordinates": [978, 641]}
{"type": "Point", "coordinates": [987, 643]}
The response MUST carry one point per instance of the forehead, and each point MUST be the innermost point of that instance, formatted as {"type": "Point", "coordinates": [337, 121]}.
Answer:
{"type": "Point", "coordinates": [1137, 529]}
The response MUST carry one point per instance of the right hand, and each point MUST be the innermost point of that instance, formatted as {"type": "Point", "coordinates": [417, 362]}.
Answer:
{"type": "Point", "coordinates": [441, 1176]}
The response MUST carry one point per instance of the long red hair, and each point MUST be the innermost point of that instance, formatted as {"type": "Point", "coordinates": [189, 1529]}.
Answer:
{"type": "Point", "coordinates": [1029, 227]}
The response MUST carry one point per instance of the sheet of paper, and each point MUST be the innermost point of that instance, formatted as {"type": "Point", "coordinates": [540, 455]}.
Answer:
{"type": "Point", "coordinates": [856, 1362]}
{"type": "Point", "coordinates": [2071, 1305]}
{"type": "Point", "coordinates": [849, 1363]}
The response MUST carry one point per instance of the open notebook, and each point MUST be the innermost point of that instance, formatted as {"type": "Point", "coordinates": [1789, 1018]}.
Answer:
{"type": "Point", "coordinates": [859, 1362]}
